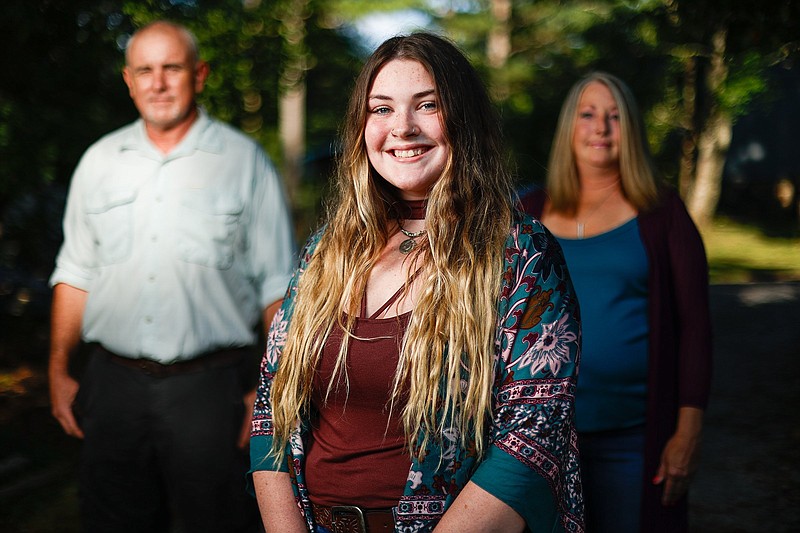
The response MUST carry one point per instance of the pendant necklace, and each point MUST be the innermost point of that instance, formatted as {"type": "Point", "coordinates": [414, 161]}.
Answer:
{"type": "Point", "coordinates": [581, 226]}
{"type": "Point", "coordinates": [409, 210]}
{"type": "Point", "coordinates": [409, 244]}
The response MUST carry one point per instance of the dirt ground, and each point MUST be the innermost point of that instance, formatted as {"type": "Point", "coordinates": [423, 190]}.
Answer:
{"type": "Point", "coordinates": [749, 477]}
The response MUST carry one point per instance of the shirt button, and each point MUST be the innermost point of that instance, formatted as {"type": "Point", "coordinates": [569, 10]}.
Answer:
{"type": "Point", "coordinates": [148, 320]}
{"type": "Point", "coordinates": [154, 238]}
{"type": "Point", "coordinates": [151, 277]}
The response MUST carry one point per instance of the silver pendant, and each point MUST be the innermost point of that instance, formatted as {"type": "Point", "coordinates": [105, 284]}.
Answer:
{"type": "Point", "coordinates": [407, 245]}
{"type": "Point", "coordinates": [581, 229]}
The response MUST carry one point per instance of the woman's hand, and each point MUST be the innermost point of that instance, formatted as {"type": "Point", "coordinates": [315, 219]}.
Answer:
{"type": "Point", "coordinates": [679, 457]}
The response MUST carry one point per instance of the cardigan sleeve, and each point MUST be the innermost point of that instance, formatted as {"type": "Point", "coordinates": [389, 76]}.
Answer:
{"type": "Point", "coordinates": [532, 464]}
{"type": "Point", "coordinates": [532, 202]}
{"type": "Point", "coordinates": [689, 268]}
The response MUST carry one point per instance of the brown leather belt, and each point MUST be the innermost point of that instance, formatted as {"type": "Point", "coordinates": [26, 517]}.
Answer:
{"type": "Point", "coordinates": [215, 359]}
{"type": "Point", "coordinates": [353, 519]}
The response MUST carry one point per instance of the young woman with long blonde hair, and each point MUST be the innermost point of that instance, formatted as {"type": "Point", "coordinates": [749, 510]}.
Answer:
{"type": "Point", "coordinates": [420, 372]}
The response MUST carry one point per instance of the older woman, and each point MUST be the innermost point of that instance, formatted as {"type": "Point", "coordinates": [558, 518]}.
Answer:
{"type": "Point", "coordinates": [420, 373]}
{"type": "Point", "coordinates": [642, 280]}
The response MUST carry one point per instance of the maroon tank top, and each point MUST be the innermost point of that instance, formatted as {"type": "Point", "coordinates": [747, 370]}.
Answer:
{"type": "Point", "coordinates": [356, 452]}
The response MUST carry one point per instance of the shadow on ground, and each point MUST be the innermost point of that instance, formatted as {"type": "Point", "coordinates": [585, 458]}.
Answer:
{"type": "Point", "coordinates": [749, 477]}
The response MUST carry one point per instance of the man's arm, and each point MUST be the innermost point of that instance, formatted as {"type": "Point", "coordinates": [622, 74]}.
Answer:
{"type": "Point", "coordinates": [66, 317]}
{"type": "Point", "coordinates": [269, 313]}
{"type": "Point", "coordinates": [250, 397]}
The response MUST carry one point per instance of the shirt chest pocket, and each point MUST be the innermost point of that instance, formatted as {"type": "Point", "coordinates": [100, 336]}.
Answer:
{"type": "Point", "coordinates": [109, 213]}
{"type": "Point", "coordinates": [208, 226]}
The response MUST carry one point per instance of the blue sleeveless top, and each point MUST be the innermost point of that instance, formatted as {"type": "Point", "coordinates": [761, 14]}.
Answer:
{"type": "Point", "coordinates": [609, 272]}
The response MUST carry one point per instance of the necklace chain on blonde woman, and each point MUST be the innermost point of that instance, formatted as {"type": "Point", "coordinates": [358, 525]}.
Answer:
{"type": "Point", "coordinates": [580, 225]}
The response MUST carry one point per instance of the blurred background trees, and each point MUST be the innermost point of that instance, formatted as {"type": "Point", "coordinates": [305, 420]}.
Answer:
{"type": "Point", "coordinates": [696, 66]}
{"type": "Point", "coordinates": [716, 80]}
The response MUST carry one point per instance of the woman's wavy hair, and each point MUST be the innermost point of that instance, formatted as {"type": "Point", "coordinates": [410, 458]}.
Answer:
{"type": "Point", "coordinates": [446, 361]}
{"type": "Point", "coordinates": [637, 171]}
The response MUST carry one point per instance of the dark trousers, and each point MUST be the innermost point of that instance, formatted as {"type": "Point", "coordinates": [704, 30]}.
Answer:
{"type": "Point", "coordinates": [158, 448]}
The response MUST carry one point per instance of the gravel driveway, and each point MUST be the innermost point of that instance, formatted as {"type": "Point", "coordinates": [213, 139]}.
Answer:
{"type": "Point", "coordinates": [749, 477]}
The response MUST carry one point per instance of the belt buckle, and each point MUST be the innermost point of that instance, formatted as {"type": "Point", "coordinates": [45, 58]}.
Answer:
{"type": "Point", "coordinates": [149, 368]}
{"type": "Point", "coordinates": [348, 519]}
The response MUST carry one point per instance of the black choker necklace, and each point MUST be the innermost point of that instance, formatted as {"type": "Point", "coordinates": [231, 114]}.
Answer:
{"type": "Point", "coordinates": [410, 209]}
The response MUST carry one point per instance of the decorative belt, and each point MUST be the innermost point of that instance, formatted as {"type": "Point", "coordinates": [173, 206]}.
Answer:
{"type": "Point", "coordinates": [353, 519]}
{"type": "Point", "coordinates": [215, 359]}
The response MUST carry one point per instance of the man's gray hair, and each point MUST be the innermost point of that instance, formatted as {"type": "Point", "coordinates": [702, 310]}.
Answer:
{"type": "Point", "coordinates": [188, 37]}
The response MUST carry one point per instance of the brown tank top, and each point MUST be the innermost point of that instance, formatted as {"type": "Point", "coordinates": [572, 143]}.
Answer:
{"type": "Point", "coordinates": [356, 453]}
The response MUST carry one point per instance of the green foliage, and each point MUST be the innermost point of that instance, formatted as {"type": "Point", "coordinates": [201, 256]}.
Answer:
{"type": "Point", "coordinates": [645, 42]}
{"type": "Point", "coordinates": [240, 42]}
{"type": "Point", "coordinates": [348, 10]}
{"type": "Point", "coordinates": [767, 257]}
{"type": "Point", "coordinates": [745, 83]}
{"type": "Point", "coordinates": [62, 88]}
{"type": "Point", "coordinates": [75, 91]}
{"type": "Point", "coordinates": [553, 43]}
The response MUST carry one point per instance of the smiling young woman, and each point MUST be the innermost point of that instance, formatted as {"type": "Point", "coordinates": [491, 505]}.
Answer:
{"type": "Point", "coordinates": [404, 136]}
{"type": "Point", "coordinates": [407, 384]}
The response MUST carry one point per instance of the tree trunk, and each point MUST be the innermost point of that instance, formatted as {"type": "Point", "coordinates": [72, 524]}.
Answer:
{"type": "Point", "coordinates": [498, 47]}
{"type": "Point", "coordinates": [688, 167]}
{"type": "Point", "coordinates": [712, 148]}
{"type": "Point", "coordinates": [292, 125]}
{"type": "Point", "coordinates": [713, 139]}
{"type": "Point", "coordinates": [292, 104]}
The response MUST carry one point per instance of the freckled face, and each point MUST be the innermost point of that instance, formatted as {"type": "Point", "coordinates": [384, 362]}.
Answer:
{"type": "Point", "coordinates": [595, 139]}
{"type": "Point", "coordinates": [404, 136]}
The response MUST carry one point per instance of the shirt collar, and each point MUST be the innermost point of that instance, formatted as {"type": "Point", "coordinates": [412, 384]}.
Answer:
{"type": "Point", "coordinates": [203, 135]}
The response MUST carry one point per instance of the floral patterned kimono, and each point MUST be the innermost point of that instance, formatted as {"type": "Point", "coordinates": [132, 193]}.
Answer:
{"type": "Point", "coordinates": [532, 461]}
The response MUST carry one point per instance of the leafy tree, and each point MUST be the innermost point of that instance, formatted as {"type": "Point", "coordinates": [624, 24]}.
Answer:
{"type": "Point", "coordinates": [546, 46]}
{"type": "Point", "coordinates": [721, 51]}
{"type": "Point", "coordinates": [262, 54]}
{"type": "Point", "coordinates": [61, 89]}
{"type": "Point", "coordinates": [241, 42]}
{"type": "Point", "coordinates": [695, 67]}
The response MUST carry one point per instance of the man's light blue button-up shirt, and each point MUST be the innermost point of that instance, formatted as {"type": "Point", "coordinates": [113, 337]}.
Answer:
{"type": "Point", "coordinates": [179, 253]}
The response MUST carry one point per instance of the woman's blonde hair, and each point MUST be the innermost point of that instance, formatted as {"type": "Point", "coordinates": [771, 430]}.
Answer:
{"type": "Point", "coordinates": [637, 172]}
{"type": "Point", "coordinates": [446, 358]}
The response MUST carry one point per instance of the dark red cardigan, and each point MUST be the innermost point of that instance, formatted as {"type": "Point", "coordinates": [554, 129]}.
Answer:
{"type": "Point", "coordinates": [679, 371]}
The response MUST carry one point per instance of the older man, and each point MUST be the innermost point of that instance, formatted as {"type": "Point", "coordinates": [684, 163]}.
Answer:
{"type": "Point", "coordinates": [177, 243]}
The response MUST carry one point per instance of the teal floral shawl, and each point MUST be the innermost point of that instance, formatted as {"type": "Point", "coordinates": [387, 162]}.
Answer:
{"type": "Point", "coordinates": [532, 462]}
